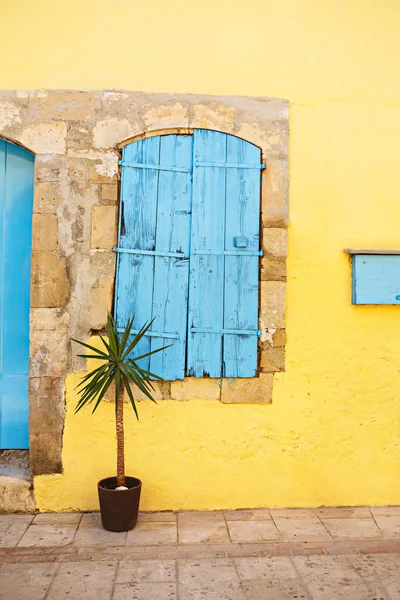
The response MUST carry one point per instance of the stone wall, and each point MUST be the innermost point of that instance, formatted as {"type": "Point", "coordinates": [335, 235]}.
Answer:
{"type": "Point", "coordinates": [77, 137]}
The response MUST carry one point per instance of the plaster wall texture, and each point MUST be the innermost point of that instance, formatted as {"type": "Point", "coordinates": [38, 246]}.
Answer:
{"type": "Point", "coordinates": [330, 435]}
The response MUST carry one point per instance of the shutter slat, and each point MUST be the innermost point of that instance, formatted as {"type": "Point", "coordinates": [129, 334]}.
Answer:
{"type": "Point", "coordinates": [170, 292]}
{"type": "Point", "coordinates": [241, 272]}
{"type": "Point", "coordinates": [207, 271]}
{"type": "Point", "coordinates": [139, 190]}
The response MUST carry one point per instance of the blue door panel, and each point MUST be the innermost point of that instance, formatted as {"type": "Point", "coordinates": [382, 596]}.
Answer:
{"type": "Point", "coordinates": [16, 201]}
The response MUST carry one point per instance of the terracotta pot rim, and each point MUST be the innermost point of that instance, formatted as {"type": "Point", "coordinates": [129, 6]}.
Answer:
{"type": "Point", "coordinates": [137, 483]}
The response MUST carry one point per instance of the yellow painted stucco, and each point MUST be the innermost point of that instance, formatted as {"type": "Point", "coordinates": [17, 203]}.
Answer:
{"type": "Point", "coordinates": [331, 435]}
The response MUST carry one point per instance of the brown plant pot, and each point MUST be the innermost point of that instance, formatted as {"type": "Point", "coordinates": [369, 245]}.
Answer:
{"type": "Point", "coordinates": [119, 508]}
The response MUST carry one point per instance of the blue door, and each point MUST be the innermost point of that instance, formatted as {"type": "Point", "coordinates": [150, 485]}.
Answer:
{"type": "Point", "coordinates": [16, 201]}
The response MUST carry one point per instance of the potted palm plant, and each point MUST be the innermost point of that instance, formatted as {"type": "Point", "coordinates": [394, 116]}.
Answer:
{"type": "Point", "coordinates": [119, 496]}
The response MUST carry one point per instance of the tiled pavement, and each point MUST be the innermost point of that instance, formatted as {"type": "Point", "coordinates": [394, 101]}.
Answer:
{"type": "Point", "coordinates": [279, 554]}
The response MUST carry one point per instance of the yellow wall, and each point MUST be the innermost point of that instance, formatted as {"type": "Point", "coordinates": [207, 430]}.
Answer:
{"type": "Point", "coordinates": [331, 435]}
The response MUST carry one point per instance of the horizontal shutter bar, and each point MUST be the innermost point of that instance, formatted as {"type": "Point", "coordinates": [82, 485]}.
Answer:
{"type": "Point", "coordinates": [229, 252]}
{"type": "Point", "coordinates": [229, 165]}
{"type": "Point", "coordinates": [160, 334]}
{"type": "Point", "coordinates": [150, 252]}
{"type": "Point", "coordinates": [135, 165]}
{"type": "Point", "coordinates": [225, 331]}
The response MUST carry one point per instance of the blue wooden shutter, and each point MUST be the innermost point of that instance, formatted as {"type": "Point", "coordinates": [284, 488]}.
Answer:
{"type": "Point", "coordinates": [223, 295]}
{"type": "Point", "coordinates": [16, 201]}
{"type": "Point", "coordinates": [153, 247]}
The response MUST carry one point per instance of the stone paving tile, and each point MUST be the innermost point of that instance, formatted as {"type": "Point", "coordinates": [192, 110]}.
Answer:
{"type": "Point", "coordinates": [48, 535]}
{"type": "Point", "coordinates": [385, 567]}
{"type": "Point", "coordinates": [349, 529]}
{"type": "Point", "coordinates": [385, 511]}
{"type": "Point", "coordinates": [274, 590]}
{"type": "Point", "coordinates": [83, 581]}
{"type": "Point", "coordinates": [215, 591]}
{"type": "Point", "coordinates": [57, 518]}
{"type": "Point", "coordinates": [346, 512]}
{"type": "Point", "coordinates": [7, 520]}
{"type": "Point", "coordinates": [153, 534]}
{"type": "Point", "coordinates": [91, 533]}
{"type": "Point", "coordinates": [145, 591]}
{"type": "Point", "coordinates": [258, 514]}
{"type": "Point", "coordinates": [202, 528]}
{"type": "Point", "coordinates": [205, 579]}
{"type": "Point", "coordinates": [12, 528]}
{"type": "Point", "coordinates": [197, 573]}
{"type": "Point", "coordinates": [301, 529]}
{"type": "Point", "coordinates": [158, 517]}
{"type": "Point", "coordinates": [25, 582]}
{"type": "Point", "coordinates": [292, 513]}
{"type": "Point", "coordinates": [146, 571]}
{"type": "Point", "coordinates": [389, 526]}
{"type": "Point", "coordinates": [328, 577]}
{"type": "Point", "coordinates": [276, 567]}
{"type": "Point", "coordinates": [253, 531]}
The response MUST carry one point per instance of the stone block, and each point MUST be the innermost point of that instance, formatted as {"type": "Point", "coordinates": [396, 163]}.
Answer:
{"type": "Point", "coordinates": [159, 392]}
{"type": "Point", "coordinates": [9, 114]}
{"type": "Point", "coordinates": [257, 390]}
{"type": "Point", "coordinates": [104, 227]}
{"type": "Point", "coordinates": [279, 338]}
{"type": "Point", "coordinates": [49, 352]}
{"type": "Point", "coordinates": [16, 495]}
{"type": "Point", "coordinates": [44, 232]}
{"type": "Point", "coordinates": [275, 242]}
{"type": "Point", "coordinates": [47, 197]}
{"type": "Point", "coordinates": [273, 304]}
{"type": "Point", "coordinates": [274, 217]}
{"type": "Point", "coordinates": [46, 400]}
{"type": "Point", "coordinates": [272, 359]}
{"type": "Point", "coordinates": [45, 453]}
{"type": "Point", "coordinates": [111, 131]}
{"type": "Point", "coordinates": [273, 269]}
{"type": "Point", "coordinates": [275, 186]}
{"type": "Point", "coordinates": [166, 116]}
{"type": "Point", "coordinates": [192, 387]}
{"type": "Point", "coordinates": [109, 193]}
{"type": "Point", "coordinates": [50, 169]}
{"type": "Point", "coordinates": [67, 105]}
{"type": "Point", "coordinates": [98, 176]}
{"type": "Point", "coordinates": [45, 138]}
{"type": "Point", "coordinates": [49, 281]}
{"type": "Point", "coordinates": [49, 318]}
{"type": "Point", "coordinates": [213, 115]}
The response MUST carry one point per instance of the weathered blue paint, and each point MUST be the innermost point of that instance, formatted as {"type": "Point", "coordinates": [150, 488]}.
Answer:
{"type": "Point", "coordinates": [155, 222]}
{"type": "Point", "coordinates": [376, 279]}
{"type": "Point", "coordinates": [191, 200]}
{"type": "Point", "coordinates": [16, 201]}
{"type": "Point", "coordinates": [242, 219]}
{"type": "Point", "coordinates": [223, 283]}
{"type": "Point", "coordinates": [206, 283]}
{"type": "Point", "coordinates": [170, 293]}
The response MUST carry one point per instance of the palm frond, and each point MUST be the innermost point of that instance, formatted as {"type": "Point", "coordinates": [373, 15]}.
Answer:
{"type": "Point", "coordinates": [117, 367]}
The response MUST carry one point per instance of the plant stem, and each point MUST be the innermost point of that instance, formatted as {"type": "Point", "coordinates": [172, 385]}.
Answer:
{"type": "Point", "coordinates": [120, 436]}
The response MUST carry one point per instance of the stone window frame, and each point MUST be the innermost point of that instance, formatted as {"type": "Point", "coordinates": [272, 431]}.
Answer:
{"type": "Point", "coordinates": [77, 137]}
{"type": "Point", "coordinates": [269, 360]}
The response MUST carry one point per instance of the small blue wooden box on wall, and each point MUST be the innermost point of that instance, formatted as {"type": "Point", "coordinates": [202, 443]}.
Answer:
{"type": "Point", "coordinates": [376, 276]}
